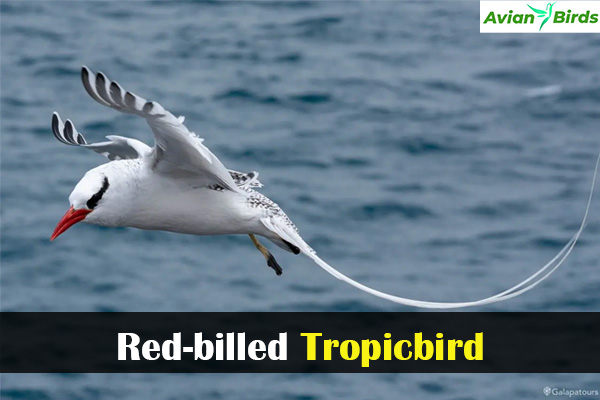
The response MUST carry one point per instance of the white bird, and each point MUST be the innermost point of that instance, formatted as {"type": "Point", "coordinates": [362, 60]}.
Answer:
{"type": "Point", "coordinates": [179, 185]}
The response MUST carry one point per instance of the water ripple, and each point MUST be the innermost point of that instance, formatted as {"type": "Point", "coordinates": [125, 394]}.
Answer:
{"type": "Point", "coordinates": [405, 147]}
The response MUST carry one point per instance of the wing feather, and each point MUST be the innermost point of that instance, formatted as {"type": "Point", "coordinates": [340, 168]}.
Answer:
{"type": "Point", "coordinates": [117, 148]}
{"type": "Point", "coordinates": [246, 181]}
{"type": "Point", "coordinates": [66, 132]}
{"type": "Point", "coordinates": [177, 150]}
{"type": "Point", "coordinates": [90, 88]}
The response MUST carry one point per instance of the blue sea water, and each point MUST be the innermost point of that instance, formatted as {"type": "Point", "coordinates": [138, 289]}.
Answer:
{"type": "Point", "coordinates": [414, 154]}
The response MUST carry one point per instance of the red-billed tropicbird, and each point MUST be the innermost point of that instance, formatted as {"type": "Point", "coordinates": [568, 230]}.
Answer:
{"type": "Point", "coordinates": [179, 185]}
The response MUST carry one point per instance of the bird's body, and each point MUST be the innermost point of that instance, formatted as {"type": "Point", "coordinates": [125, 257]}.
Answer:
{"type": "Point", "coordinates": [185, 208]}
{"type": "Point", "coordinates": [180, 186]}
{"type": "Point", "coordinates": [196, 211]}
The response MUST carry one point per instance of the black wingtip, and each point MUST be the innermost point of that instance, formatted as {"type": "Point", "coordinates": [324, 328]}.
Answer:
{"type": "Point", "coordinates": [148, 107]}
{"type": "Point", "coordinates": [115, 88]}
{"type": "Point", "coordinates": [81, 140]}
{"type": "Point", "coordinates": [130, 99]}
{"type": "Point", "coordinates": [66, 132]}
{"type": "Point", "coordinates": [85, 73]}
{"type": "Point", "coordinates": [100, 77]}
{"type": "Point", "coordinates": [55, 127]}
{"type": "Point", "coordinates": [85, 79]}
{"type": "Point", "coordinates": [69, 131]}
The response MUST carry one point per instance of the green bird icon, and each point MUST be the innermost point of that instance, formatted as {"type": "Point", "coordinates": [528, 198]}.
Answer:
{"type": "Point", "coordinates": [542, 13]}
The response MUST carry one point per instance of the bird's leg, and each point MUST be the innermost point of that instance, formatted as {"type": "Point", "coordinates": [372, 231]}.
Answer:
{"type": "Point", "coordinates": [271, 262]}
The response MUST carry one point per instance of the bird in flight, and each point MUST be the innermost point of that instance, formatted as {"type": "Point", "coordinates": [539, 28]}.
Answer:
{"type": "Point", "coordinates": [541, 13]}
{"type": "Point", "coordinates": [179, 185]}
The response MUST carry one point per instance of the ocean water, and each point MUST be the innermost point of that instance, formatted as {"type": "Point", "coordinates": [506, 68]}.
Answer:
{"type": "Point", "coordinates": [414, 154]}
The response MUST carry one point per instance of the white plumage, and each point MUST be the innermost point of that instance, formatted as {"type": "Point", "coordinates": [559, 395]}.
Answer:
{"type": "Point", "coordinates": [179, 185]}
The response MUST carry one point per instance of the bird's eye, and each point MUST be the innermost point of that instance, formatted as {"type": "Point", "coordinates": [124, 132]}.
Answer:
{"type": "Point", "coordinates": [93, 201]}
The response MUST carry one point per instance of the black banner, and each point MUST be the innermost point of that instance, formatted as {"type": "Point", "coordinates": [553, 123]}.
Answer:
{"type": "Point", "coordinates": [354, 342]}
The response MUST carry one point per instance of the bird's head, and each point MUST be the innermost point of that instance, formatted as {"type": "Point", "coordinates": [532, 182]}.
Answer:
{"type": "Point", "coordinates": [91, 200]}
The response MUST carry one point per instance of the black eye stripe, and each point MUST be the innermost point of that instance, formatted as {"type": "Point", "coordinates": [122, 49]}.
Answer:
{"type": "Point", "coordinates": [93, 201]}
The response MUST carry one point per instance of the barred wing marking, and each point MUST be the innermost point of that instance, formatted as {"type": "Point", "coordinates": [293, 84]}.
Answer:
{"type": "Point", "coordinates": [246, 181]}
{"type": "Point", "coordinates": [117, 148]}
{"type": "Point", "coordinates": [177, 152]}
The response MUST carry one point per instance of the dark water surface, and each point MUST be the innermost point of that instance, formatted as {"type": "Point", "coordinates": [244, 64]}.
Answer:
{"type": "Point", "coordinates": [415, 154]}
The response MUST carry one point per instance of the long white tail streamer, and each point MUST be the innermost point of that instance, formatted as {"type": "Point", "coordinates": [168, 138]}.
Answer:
{"type": "Point", "coordinates": [514, 291]}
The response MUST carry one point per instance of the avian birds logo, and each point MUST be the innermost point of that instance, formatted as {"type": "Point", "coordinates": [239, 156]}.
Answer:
{"type": "Point", "coordinates": [546, 14]}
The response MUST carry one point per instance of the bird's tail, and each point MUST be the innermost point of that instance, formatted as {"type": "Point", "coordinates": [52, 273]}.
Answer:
{"type": "Point", "coordinates": [514, 291]}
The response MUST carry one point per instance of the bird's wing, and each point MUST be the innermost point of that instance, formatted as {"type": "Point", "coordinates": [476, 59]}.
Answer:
{"type": "Point", "coordinates": [540, 13]}
{"type": "Point", "coordinates": [117, 148]}
{"type": "Point", "coordinates": [178, 151]}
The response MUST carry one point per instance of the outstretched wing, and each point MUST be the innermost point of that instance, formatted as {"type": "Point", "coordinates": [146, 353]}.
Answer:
{"type": "Point", "coordinates": [122, 148]}
{"type": "Point", "coordinates": [177, 151]}
{"type": "Point", "coordinates": [117, 148]}
{"type": "Point", "coordinates": [541, 13]}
